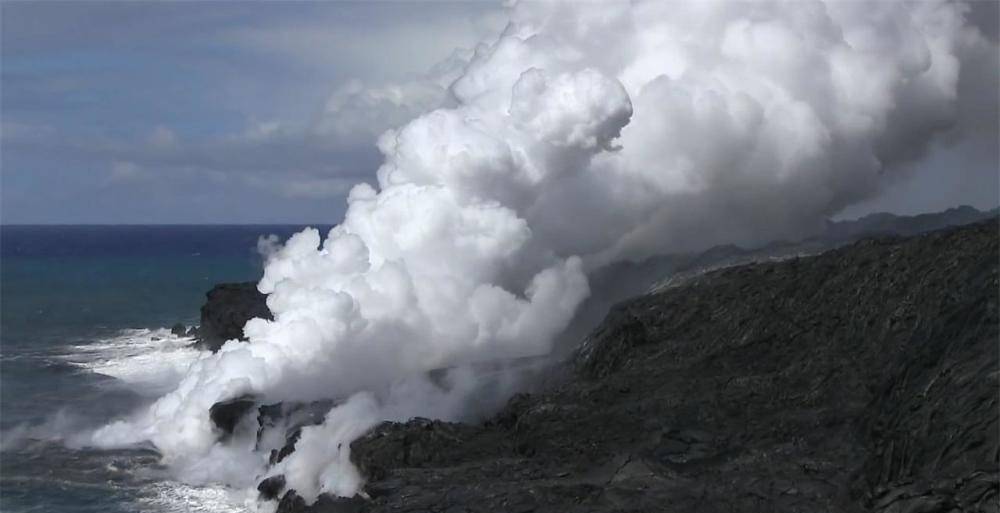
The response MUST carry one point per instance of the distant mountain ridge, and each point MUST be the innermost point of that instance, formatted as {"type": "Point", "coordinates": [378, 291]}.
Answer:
{"type": "Point", "coordinates": [884, 223]}
{"type": "Point", "coordinates": [620, 281]}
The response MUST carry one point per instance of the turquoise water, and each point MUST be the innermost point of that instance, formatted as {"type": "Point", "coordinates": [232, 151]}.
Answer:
{"type": "Point", "coordinates": [84, 318]}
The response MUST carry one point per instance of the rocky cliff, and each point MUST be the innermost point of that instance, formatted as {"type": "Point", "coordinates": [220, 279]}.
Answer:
{"type": "Point", "coordinates": [228, 306]}
{"type": "Point", "coordinates": [862, 379]}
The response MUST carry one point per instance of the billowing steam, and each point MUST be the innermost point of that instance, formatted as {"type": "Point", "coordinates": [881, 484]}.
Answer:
{"type": "Point", "coordinates": [586, 134]}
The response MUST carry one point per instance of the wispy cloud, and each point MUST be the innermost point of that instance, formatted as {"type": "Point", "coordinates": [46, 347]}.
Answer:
{"type": "Point", "coordinates": [262, 100]}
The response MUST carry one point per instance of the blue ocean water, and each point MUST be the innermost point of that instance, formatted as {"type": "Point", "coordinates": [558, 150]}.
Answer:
{"type": "Point", "coordinates": [85, 313]}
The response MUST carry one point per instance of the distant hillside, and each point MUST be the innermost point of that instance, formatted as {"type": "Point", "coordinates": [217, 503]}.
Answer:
{"type": "Point", "coordinates": [890, 224]}
{"type": "Point", "coordinates": [620, 281]}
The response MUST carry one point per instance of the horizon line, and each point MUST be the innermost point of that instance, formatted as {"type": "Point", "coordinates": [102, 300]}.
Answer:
{"type": "Point", "coordinates": [164, 224]}
{"type": "Point", "coordinates": [307, 224]}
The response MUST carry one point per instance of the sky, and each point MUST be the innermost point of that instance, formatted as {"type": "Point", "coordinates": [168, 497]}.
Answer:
{"type": "Point", "coordinates": [265, 112]}
{"type": "Point", "coordinates": [177, 112]}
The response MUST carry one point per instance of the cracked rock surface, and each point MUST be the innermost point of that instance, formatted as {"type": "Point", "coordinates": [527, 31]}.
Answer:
{"type": "Point", "coordinates": [861, 379]}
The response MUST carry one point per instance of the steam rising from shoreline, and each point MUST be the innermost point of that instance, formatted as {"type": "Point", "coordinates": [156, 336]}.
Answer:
{"type": "Point", "coordinates": [585, 134]}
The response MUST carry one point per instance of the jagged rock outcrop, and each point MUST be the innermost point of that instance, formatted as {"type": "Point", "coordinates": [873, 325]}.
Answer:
{"type": "Point", "coordinates": [862, 379]}
{"type": "Point", "coordinates": [227, 308]}
{"type": "Point", "coordinates": [293, 417]}
{"type": "Point", "coordinates": [271, 487]}
{"type": "Point", "coordinates": [225, 415]}
{"type": "Point", "coordinates": [291, 502]}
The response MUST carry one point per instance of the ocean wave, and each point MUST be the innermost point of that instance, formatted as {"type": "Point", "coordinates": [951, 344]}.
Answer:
{"type": "Point", "coordinates": [151, 362]}
{"type": "Point", "coordinates": [148, 362]}
{"type": "Point", "coordinates": [176, 497]}
{"type": "Point", "coordinates": [130, 476]}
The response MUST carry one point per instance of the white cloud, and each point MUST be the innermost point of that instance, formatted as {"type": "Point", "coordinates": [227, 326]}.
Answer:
{"type": "Point", "coordinates": [378, 45]}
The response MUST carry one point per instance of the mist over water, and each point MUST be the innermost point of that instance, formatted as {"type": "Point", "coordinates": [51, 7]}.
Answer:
{"type": "Point", "coordinates": [83, 340]}
{"type": "Point", "coordinates": [585, 134]}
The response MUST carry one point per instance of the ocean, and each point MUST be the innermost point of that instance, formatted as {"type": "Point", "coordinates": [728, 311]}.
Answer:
{"type": "Point", "coordinates": [85, 317]}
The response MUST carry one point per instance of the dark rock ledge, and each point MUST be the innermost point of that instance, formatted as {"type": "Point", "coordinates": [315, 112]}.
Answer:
{"type": "Point", "coordinates": [862, 379]}
{"type": "Point", "coordinates": [227, 308]}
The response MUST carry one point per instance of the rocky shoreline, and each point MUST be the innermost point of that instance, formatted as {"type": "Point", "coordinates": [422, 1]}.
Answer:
{"type": "Point", "coordinates": [861, 379]}
{"type": "Point", "coordinates": [227, 307]}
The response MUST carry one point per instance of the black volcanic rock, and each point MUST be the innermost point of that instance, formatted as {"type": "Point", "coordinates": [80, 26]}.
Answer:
{"type": "Point", "coordinates": [420, 443]}
{"type": "Point", "coordinates": [293, 503]}
{"type": "Point", "coordinates": [862, 379]}
{"type": "Point", "coordinates": [227, 414]}
{"type": "Point", "coordinates": [293, 416]}
{"type": "Point", "coordinates": [291, 438]}
{"type": "Point", "coordinates": [617, 282]}
{"type": "Point", "coordinates": [271, 487]}
{"type": "Point", "coordinates": [227, 308]}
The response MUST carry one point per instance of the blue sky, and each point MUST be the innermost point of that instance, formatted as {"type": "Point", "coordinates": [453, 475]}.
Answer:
{"type": "Point", "coordinates": [218, 112]}
{"type": "Point", "coordinates": [176, 112]}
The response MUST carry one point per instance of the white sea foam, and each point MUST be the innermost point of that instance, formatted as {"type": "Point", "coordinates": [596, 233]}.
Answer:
{"type": "Point", "coordinates": [176, 497]}
{"type": "Point", "coordinates": [150, 361]}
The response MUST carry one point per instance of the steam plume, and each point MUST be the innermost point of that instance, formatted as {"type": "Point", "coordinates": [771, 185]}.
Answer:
{"type": "Point", "coordinates": [587, 133]}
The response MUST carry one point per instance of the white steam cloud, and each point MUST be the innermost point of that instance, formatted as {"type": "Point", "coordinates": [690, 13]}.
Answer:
{"type": "Point", "coordinates": [587, 133]}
